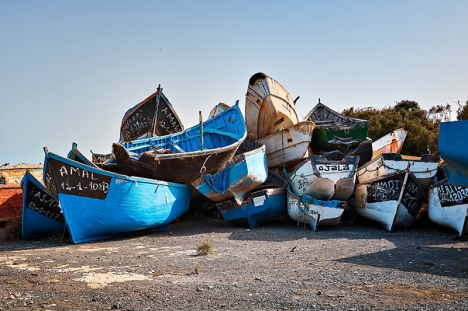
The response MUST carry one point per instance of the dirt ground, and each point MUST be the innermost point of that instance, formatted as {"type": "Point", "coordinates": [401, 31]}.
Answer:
{"type": "Point", "coordinates": [356, 265]}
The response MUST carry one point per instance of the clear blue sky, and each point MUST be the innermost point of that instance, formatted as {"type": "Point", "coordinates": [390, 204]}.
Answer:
{"type": "Point", "coordinates": [70, 69]}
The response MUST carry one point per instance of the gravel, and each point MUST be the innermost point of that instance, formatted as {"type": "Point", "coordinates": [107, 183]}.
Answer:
{"type": "Point", "coordinates": [356, 265]}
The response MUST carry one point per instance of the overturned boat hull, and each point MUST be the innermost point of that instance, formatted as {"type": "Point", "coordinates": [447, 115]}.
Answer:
{"type": "Point", "coordinates": [454, 150]}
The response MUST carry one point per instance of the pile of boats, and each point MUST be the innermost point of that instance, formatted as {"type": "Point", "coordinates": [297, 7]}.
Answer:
{"type": "Point", "coordinates": [254, 168]}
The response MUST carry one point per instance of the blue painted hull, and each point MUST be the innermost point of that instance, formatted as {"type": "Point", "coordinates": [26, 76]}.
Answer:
{"type": "Point", "coordinates": [245, 172]}
{"type": "Point", "coordinates": [454, 150]}
{"type": "Point", "coordinates": [40, 212]}
{"type": "Point", "coordinates": [268, 202]}
{"type": "Point", "coordinates": [98, 204]}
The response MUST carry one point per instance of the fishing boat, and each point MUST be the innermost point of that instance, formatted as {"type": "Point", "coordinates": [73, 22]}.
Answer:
{"type": "Point", "coordinates": [266, 202]}
{"type": "Point", "coordinates": [244, 172]}
{"type": "Point", "coordinates": [448, 206]}
{"type": "Point", "coordinates": [424, 168]}
{"type": "Point", "coordinates": [154, 116]}
{"type": "Point", "coordinates": [334, 131]}
{"type": "Point", "coordinates": [268, 107]}
{"type": "Point", "coordinates": [11, 194]}
{"type": "Point", "coordinates": [218, 109]}
{"type": "Point", "coordinates": [99, 204]}
{"type": "Point", "coordinates": [363, 150]}
{"type": "Point", "coordinates": [40, 213]}
{"type": "Point", "coordinates": [390, 143]}
{"type": "Point", "coordinates": [454, 150]}
{"type": "Point", "coordinates": [287, 147]}
{"type": "Point", "coordinates": [391, 200]}
{"type": "Point", "coordinates": [313, 212]}
{"type": "Point", "coordinates": [185, 156]}
{"type": "Point", "coordinates": [325, 179]}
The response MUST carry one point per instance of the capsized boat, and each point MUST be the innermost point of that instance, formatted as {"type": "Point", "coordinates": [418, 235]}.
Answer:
{"type": "Point", "coordinates": [390, 143]}
{"type": "Point", "coordinates": [99, 204]}
{"type": "Point", "coordinates": [391, 200]}
{"type": "Point", "coordinates": [41, 213]}
{"type": "Point", "coordinates": [313, 212]}
{"type": "Point", "coordinates": [264, 203]}
{"type": "Point", "coordinates": [185, 156]}
{"type": "Point", "coordinates": [244, 172]}
{"type": "Point", "coordinates": [268, 107]}
{"type": "Point", "coordinates": [325, 179]}
{"type": "Point", "coordinates": [11, 194]}
{"type": "Point", "coordinates": [424, 168]}
{"type": "Point", "coordinates": [287, 147]}
{"type": "Point", "coordinates": [154, 116]}
{"type": "Point", "coordinates": [334, 131]}
{"type": "Point", "coordinates": [454, 150]}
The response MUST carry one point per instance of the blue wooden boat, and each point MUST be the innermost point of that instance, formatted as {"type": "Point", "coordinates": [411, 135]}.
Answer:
{"type": "Point", "coordinates": [313, 212]}
{"type": "Point", "coordinates": [265, 203]}
{"type": "Point", "coordinates": [244, 172]}
{"type": "Point", "coordinates": [454, 150]}
{"type": "Point", "coordinates": [185, 156]}
{"type": "Point", "coordinates": [154, 116]}
{"type": "Point", "coordinates": [41, 213]}
{"type": "Point", "coordinates": [99, 204]}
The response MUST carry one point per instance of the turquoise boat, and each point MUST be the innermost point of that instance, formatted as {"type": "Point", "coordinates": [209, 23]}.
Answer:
{"type": "Point", "coordinates": [244, 172]}
{"type": "Point", "coordinates": [99, 204]}
{"type": "Point", "coordinates": [41, 213]}
{"type": "Point", "coordinates": [265, 203]}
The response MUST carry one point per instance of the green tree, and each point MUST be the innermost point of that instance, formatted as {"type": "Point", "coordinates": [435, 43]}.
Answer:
{"type": "Point", "coordinates": [462, 112]}
{"type": "Point", "coordinates": [422, 126]}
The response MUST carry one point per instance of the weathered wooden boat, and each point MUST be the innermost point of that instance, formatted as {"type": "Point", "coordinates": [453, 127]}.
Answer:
{"type": "Point", "coordinates": [11, 194]}
{"type": "Point", "coordinates": [313, 212]}
{"type": "Point", "coordinates": [40, 214]}
{"type": "Point", "coordinates": [390, 143]}
{"type": "Point", "coordinates": [218, 109]}
{"type": "Point", "coordinates": [185, 156]}
{"type": "Point", "coordinates": [99, 204]}
{"type": "Point", "coordinates": [287, 147]}
{"type": "Point", "coordinates": [363, 150]}
{"type": "Point", "coordinates": [264, 203]}
{"type": "Point", "coordinates": [106, 161]}
{"type": "Point", "coordinates": [391, 200]}
{"type": "Point", "coordinates": [154, 116]}
{"type": "Point", "coordinates": [424, 168]}
{"type": "Point", "coordinates": [454, 150]}
{"type": "Point", "coordinates": [448, 206]}
{"type": "Point", "coordinates": [268, 107]}
{"type": "Point", "coordinates": [334, 131]}
{"type": "Point", "coordinates": [243, 173]}
{"type": "Point", "coordinates": [325, 179]}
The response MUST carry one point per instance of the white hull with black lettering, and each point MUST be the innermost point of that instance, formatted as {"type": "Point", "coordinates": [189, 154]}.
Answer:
{"type": "Point", "coordinates": [324, 179]}
{"type": "Point", "coordinates": [448, 206]}
{"type": "Point", "coordinates": [391, 200]}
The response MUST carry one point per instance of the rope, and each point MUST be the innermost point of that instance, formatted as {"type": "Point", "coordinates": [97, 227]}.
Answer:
{"type": "Point", "coordinates": [392, 168]}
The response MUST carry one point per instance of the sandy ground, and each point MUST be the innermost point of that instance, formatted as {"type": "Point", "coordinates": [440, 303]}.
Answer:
{"type": "Point", "coordinates": [356, 265]}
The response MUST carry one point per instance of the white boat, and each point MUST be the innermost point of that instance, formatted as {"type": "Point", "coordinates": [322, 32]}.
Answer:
{"type": "Point", "coordinates": [424, 168]}
{"type": "Point", "coordinates": [315, 213]}
{"type": "Point", "coordinates": [390, 143]}
{"type": "Point", "coordinates": [287, 147]}
{"type": "Point", "coordinates": [268, 107]}
{"type": "Point", "coordinates": [391, 200]}
{"type": "Point", "coordinates": [325, 179]}
{"type": "Point", "coordinates": [448, 206]}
